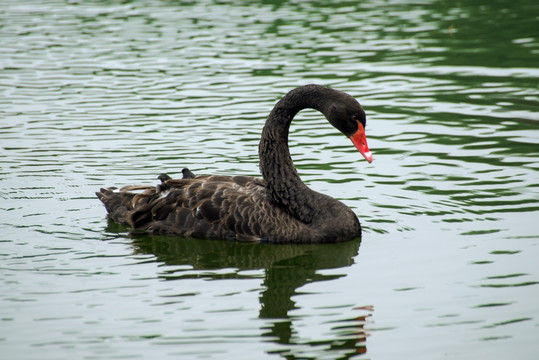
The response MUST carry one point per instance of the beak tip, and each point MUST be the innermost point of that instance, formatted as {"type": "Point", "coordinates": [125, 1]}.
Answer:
{"type": "Point", "coordinates": [368, 156]}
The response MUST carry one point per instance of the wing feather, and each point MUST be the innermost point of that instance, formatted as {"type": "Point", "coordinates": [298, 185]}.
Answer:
{"type": "Point", "coordinates": [213, 206]}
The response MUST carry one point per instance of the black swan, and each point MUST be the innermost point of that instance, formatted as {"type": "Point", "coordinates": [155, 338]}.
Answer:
{"type": "Point", "coordinates": [278, 209]}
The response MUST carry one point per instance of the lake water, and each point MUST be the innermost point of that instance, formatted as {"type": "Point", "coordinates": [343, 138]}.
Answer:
{"type": "Point", "coordinates": [103, 93]}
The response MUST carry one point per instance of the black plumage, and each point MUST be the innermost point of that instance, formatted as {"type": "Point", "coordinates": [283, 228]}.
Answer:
{"type": "Point", "coordinates": [278, 208]}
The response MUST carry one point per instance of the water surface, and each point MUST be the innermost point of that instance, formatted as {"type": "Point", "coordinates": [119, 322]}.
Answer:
{"type": "Point", "coordinates": [102, 93]}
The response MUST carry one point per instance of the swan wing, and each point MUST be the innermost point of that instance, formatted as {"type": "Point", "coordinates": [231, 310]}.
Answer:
{"type": "Point", "coordinates": [204, 207]}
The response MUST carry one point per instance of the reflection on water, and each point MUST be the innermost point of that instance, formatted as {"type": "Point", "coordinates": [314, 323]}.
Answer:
{"type": "Point", "coordinates": [95, 93]}
{"type": "Point", "coordinates": [286, 269]}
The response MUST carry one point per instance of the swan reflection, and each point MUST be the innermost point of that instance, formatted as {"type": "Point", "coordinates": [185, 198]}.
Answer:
{"type": "Point", "coordinates": [283, 269]}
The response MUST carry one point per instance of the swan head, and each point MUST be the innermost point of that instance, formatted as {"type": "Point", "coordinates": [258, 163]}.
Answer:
{"type": "Point", "coordinates": [347, 115]}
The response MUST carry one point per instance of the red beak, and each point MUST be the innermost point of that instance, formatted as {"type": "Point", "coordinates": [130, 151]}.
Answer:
{"type": "Point", "coordinates": [360, 141]}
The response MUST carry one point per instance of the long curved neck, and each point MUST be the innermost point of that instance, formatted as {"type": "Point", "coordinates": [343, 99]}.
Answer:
{"type": "Point", "coordinates": [283, 184]}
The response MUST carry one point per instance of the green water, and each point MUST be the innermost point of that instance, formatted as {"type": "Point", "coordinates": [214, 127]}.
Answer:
{"type": "Point", "coordinates": [103, 93]}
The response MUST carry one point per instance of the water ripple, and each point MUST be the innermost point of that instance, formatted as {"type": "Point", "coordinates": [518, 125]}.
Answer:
{"type": "Point", "coordinates": [107, 93]}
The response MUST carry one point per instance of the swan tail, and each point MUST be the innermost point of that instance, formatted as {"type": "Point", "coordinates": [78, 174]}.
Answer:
{"type": "Point", "coordinates": [121, 205]}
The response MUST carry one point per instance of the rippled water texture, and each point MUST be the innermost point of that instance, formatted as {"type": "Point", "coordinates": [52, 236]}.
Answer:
{"type": "Point", "coordinates": [102, 93]}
